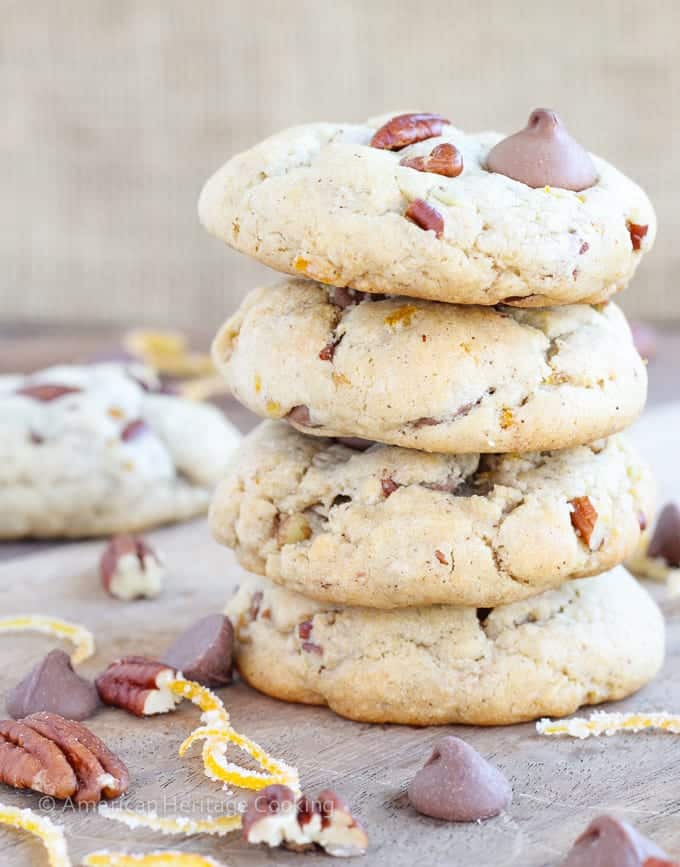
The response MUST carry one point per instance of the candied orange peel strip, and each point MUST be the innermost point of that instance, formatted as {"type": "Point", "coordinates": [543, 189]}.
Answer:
{"type": "Point", "coordinates": [51, 835]}
{"type": "Point", "coordinates": [218, 769]}
{"type": "Point", "coordinates": [218, 733]}
{"type": "Point", "coordinates": [172, 824]}
{"type": "Point", "coordinates": [603, 723]}
{"type": "Point", "coordinates": [203, 388]}
{"type": "Point", "coordinates": [167, 352]}
{"type": "Point", "coordinates": [81, 637]}
{"type": "Point", "coordinates": [211, 706]}
{"type": "Point", "coordinates": [150, 859]}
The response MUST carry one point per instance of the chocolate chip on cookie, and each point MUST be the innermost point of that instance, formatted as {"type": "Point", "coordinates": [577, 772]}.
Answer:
{"type": "Point", "coordinates": [543, 154]}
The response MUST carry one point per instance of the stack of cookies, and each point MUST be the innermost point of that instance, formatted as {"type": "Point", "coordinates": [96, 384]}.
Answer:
{"type": "Point", "coordinates": [440, 501]}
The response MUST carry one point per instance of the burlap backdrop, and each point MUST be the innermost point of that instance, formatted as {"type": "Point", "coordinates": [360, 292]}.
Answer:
{"type": "Point", "coordinates": [114, 111]}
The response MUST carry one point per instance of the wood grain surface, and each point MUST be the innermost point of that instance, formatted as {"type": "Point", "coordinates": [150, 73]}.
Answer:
{"type": "Point", "coordinates": [559, 785]}
{"type": "Point", "coordinates": [115, 113]}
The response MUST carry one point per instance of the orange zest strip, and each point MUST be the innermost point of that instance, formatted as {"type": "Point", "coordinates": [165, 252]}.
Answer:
{"type": "Point", "coordinates": [220, 770]}
{"type": "Point", "coordinates": [603, 723]}
{"type": "Point", "coordinates": [51, 835]}
{"type": "Point", "coordinates": [212, 708]}
{"type": "Point", "coordinates": [172, 824]}
{"type": "Point", "coordinates": [167, 352]}
{"type": "Point", "coordinates": [150, 859]}
{"type": "Point", "coordinates": [74, 632]}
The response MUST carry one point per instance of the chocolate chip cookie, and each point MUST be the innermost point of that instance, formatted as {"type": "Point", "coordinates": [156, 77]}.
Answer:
{"type": "Point", "coordinates": [93, 450]}
{"type": "Point", "coordinates": [593, 640]}
{"type": "Point", "coordinates": [388, 527]}
{"type": "Point", "coordinates": [411, 205]}
{"type": "Point", "coordinates": [432, 376]}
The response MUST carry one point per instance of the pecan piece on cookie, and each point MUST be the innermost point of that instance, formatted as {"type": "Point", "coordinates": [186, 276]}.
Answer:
{"type": "Point", "coordinates": [583, 519]}
{"type": "Point", "coordinates": [407, 129]}
{"type": "Point", "coordinates": [425, 216]}
{"type": "Point", "coordinates": [47, 392]}
{"type": "Point", "coordinates": [445, 159]}
{"type": "Point", "coordinates": [138, 685]}
{"type": "Point", "coordinates": [134, 429]}
{"type": "Point", "coordinates": [61, 758]}
{"type": "Point", "coordinates": [637, 233]}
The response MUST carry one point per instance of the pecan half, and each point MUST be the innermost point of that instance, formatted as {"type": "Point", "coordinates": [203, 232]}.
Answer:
{"type": "Point", "coordinates": [130, 569]}
{"type": "Point", "coordinates": [406, 129]}
{"type": "Point", "coordinates": [445, 159]}
{"type": "Point", "coordinates": [98, 771]}
{"type": "Point", "coordinates": [47, 392]}
{"type": "Point", "coordinates": [30, 761]}
{"type": "Point", "coordinates": [61, 758]}
{"type": "Point", "coordinates": [637, 233]}
{"type": "Point", "coordinates": [583, 518]}
{"type": "Point", "coordinates": [425, 216]}
{"type": "Point", "coordinates": [138, 685]}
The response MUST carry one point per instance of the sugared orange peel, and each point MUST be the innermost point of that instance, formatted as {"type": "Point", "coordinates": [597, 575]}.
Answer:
{"type": "Point", "coordinates": [211, 706]}
{"type": "Point", "coordinates": [81, 637]}
{"type": "Point", "coordinates": [602, 723]}
{"type": "Point", "coordinates": [151, 859]}
{"type": "Point", "coordinates": [167, 352]}
{"type": "Point", "coordinates": [172, 824]}
{"type": "Point", "coordinates": [203, 388]}
{"type": "Point", "coordinates": [218, 733]}
{"type": "Point", "coordinates": [217, 768]}
{"type": "Point", "coordinates": [51, 835]}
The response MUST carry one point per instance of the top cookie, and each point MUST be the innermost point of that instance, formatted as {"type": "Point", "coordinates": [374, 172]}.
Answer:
{"type": "Point", "coordinates": [360, 206]}
{"type": "Point", "coordinates": [94, 450]}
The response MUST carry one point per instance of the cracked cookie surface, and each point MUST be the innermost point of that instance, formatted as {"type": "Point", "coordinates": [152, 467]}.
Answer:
{"type": "Point", "coordinates": [592, 640]}
{"type": "Point", "coordinates": [391, 527]}
{"type": "Point", "coordinates": [94, 450]}
{"type": "Point", "coordinates": [319, 201]}
{"type": "Point", "coordinates": [432, 376]}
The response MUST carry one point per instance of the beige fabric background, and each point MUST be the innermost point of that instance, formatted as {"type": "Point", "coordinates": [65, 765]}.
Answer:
{"type": "Point", "coordinates": [114, 111]}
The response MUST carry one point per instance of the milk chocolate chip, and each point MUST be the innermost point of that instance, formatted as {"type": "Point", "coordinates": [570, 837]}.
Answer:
{"type": "Point", "coordinates": [543, 154]}
{"type": "Point", "coordinates": [666, 539]}
{"type": "Point", "coordinates": [55, 687]}
{"type": "Point", "coordinates": [203, 652]}
{"type": "Point", "coordinates": [645, 338]}
{"type": "Point", "coordinates": [609, 842]}
{"type": "Point", "coordinates": [458, 785]}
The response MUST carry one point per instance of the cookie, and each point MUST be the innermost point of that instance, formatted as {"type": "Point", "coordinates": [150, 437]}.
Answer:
{"type": "Point", "coordinates": [322, 201]}
{"type": "Point", "coordinates": [390, 527]}
{"type": "Point", "coordinates": [86, 451]}
{"type": "Point", "coordinates": [432, 376]}
{"type": "Point", "coordinates": [592, 640]}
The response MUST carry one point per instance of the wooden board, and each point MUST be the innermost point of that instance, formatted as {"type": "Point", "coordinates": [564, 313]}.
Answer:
{"type": "Point", "coordinates": [559, 785]}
